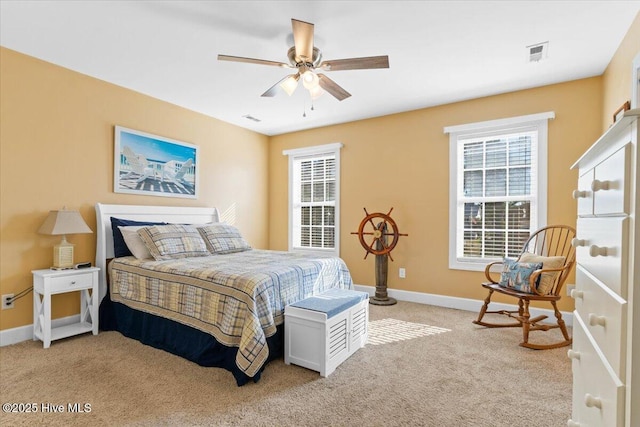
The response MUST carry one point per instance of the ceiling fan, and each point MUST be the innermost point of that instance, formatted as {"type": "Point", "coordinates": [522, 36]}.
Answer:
{"type": "Point", "coordinates": [307, 58]}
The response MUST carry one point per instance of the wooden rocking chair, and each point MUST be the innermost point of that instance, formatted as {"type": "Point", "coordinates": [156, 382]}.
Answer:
{"type": "Point", "coordinates": [545, 284]}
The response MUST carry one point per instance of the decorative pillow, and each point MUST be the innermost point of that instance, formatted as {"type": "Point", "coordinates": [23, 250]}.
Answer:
{"type": "Point", "coordinates": [515, 275]}
{"type": "Point", "coordinates": [173, 241]}
{"type": "Point", "coordinates": [119, 245]}
{"type": "Point", "coordinates": [223, 238]}
{"type": "Point", "coordinates": [134, 242]}
{"type": "Point", "coordinates": [547, 280]}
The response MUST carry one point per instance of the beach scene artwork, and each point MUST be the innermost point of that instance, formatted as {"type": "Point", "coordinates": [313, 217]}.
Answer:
{"type": "Point", "coordinates": [153, 165]}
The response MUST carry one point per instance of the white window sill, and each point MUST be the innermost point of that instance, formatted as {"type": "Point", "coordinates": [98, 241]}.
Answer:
{"type": "Point", "coordinates": [471, 265]}
{"type": "Point", "coordinates": [330, 252]}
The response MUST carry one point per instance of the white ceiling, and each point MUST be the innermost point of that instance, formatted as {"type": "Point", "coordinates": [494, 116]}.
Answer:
{"type": "Point", "coordinates": [439, 51]}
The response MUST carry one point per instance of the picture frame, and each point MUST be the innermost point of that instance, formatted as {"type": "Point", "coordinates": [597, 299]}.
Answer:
{"type": "Point", "coordinates": [620, 111]}
{"type": "Point", "coordinates": [153, 165]}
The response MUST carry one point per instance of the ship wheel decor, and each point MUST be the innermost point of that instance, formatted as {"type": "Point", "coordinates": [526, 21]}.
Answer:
{"type": "Point", "coordinates": [374, 233]}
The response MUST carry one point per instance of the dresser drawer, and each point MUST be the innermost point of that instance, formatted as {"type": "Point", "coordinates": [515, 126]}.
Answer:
{"type": "Point", "coordinates": [598, 394]}
{"type": "Point", "coordinates": [70, 283]}
{"type": "Point", "coordinates": [604, 315]}
{"type": "Point", "coordinates": [601, 248]}
{"type": "Point", "coordinates": [584, 195]}
{"type": "Point", "coordinates": [610, 193]}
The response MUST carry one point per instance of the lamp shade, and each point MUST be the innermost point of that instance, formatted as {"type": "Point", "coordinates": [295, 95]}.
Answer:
{"type": "Point", "coordinates": [64, 222]}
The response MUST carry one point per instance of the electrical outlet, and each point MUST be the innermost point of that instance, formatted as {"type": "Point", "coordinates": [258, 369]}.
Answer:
{"type": "Point", "coordinates": [6, 303]}
{"type": "Point", "coordinates": [402, 273]}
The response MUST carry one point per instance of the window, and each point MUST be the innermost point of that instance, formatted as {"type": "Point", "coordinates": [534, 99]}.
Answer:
{"type": "Point", "coordinates": [314, 198]}
{"type": "Point", "coordinates": [498, 180]}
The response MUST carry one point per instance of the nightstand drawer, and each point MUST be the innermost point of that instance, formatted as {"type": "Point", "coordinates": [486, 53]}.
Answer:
{"type": "Point", "coordinates": [70, 283]}
{"type": "Point", "coordinates": [601, 248]}
{"type": "Point", "coordinates": [604, 314]}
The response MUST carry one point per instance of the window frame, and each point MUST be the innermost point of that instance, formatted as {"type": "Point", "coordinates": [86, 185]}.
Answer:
{"type": "Point", "coordinates": [332, 149]}
{"type": "Point", "coordinates": [488, 128]}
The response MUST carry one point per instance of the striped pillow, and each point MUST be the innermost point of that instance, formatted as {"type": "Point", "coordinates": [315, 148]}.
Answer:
{"type": "Point", "coordinates": [173, 241]}
{"type": "Point", "coordinates": [223, 238]}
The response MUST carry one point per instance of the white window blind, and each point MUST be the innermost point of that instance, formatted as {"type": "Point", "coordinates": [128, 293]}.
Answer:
{"type": "Point", "coordinates": [314, 198]}
{"type": "Point", "coordinates": [497, 187]}
{"type": "Point", "coordinates": [497, 190]}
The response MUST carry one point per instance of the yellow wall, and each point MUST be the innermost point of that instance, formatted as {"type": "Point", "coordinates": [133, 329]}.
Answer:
{"type": "Point", "coordinates": [57, 149]}
{"type": "Point", "coordinates": [402, 161]}
{"type": "Point", "coordinates": [617, 76]}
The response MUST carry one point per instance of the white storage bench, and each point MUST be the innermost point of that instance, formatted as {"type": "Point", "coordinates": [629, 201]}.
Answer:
{"type": "Point", "coordinates": [322, 331]}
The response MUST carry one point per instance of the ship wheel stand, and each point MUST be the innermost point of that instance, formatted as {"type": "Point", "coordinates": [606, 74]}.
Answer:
{"type": "Point", "coordinates": [378, 227]}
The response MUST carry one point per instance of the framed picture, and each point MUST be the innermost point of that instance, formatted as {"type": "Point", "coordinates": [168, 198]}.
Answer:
{"type": "Point", "coordinates": [620, 111]}
{"type": "Point", "coordinates": [153, 165]}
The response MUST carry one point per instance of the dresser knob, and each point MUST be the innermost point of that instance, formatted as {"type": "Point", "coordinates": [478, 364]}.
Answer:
{"type": "Point", "coordinates": [73, 282]}
{"type": "Point", "coordinates": [599, 185]}
{"type": "Point", "coordinates": [594, 251]}
{"type": "Point", "coordinates": [572, 354]}
{"type": "Point", "coordinates": [575, 242]}
{"type": "Point", "coordinates": [575, 294]}
{"type": "Point", "coordinates": [572, 423]}
{"type": "Point", "coordinates": [595, 320]}
{"type": "Point", "coordinates": [592, 402]}
{"type": "Point", "coordinates": [577, 194]}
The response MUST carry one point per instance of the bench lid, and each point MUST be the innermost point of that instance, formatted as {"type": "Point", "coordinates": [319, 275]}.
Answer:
{"type": "Point", "coordinates": [332, 302]}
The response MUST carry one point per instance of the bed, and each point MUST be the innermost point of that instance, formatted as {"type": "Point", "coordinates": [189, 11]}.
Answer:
{"type": "Point", "coordinates": [219, 306]}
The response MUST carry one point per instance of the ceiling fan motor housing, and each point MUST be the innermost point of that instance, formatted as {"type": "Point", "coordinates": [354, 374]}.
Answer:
{"type": "Point", "coordinates": [298, 62]}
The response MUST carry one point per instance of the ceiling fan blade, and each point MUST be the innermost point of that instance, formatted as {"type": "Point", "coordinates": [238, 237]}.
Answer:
{"type": "Point", "coordinates": [252, 61]}
{"type": "Point", "coordinates": [303, 40]}
{"type": "Point", "coordinates": [355, 63]}
{"type": "Point", "coordinates": [273, 90]}
{"type": "Point", "coordinates": [333, 88]}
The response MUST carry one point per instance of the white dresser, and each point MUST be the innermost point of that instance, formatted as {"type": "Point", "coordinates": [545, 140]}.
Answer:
{"type": "Point", "coordinates": [606, 348]}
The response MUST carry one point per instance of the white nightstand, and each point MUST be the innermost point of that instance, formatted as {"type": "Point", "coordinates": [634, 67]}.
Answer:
{"type": "Point", "coordinates": [48, 282]}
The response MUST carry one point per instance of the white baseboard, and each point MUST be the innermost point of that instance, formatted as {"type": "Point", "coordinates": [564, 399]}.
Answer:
{"type": "Point", "coordinates": [25, 333]}
{"type": "Point", "coordinates": [460, 303]}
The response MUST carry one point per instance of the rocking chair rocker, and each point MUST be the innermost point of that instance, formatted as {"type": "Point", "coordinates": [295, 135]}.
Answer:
{"type": "Point", "coordinates": [552, 247]}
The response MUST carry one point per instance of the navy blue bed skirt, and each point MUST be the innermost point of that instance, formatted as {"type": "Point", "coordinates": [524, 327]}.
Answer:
{"type": "Point", "coordinates": [179, 339]}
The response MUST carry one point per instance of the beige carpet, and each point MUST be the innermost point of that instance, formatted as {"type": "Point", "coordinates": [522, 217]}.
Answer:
{"type": "Point", "coordinates": [461, 375]}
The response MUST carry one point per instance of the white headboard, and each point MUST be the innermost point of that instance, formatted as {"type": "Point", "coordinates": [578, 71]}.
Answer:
{"type": "Point", "coordinates": [171, 214]}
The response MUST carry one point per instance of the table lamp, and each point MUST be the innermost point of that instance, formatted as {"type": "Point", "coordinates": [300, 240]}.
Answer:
{"type": "Point", "coordinates": [63, 222]}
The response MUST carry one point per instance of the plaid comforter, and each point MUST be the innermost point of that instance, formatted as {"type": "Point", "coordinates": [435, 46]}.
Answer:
{"type": "Point", "coordinates": [238, 298]}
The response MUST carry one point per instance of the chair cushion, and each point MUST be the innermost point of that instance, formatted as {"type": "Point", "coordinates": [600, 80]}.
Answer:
{"type": "Point", "coordinates": [547, 280]}
{"type": "Point", "coordinates": [515, 275]}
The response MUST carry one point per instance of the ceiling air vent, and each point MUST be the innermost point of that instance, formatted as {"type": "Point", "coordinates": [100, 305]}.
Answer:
{"type": "Point", "coordinates": [538, 52]}
{"type": "Point", "coordinates": [250, 117]}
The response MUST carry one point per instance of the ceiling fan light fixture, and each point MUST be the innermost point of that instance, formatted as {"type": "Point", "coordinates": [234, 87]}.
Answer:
{"type": "Point", "coordinates": [316, 92]}
{"type": "Point", "coordinates": [310, 79]}
{"type": "Point", "coordinates": [290, 84]}
{"type": "Point", "coordinates": [306, 59]}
